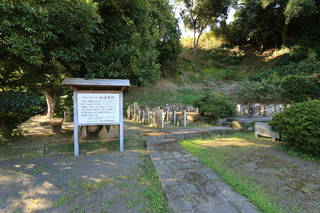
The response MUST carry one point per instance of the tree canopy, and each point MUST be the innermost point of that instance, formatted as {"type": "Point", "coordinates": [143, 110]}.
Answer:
{"type": "Point", "coordinates": [43, 41]}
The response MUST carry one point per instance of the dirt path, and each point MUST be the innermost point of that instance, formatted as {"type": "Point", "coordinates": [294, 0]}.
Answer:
{"type": "Point", "coordinates": [106, 182]}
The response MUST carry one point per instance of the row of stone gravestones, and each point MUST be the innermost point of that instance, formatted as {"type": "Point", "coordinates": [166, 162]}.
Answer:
{"type": "Point", "coordinates": [166, 115]}
{"type": "Point", "coordinates": [260, 110]}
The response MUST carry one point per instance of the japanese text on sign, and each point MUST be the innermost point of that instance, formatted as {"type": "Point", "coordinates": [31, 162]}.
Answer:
{"type": "Point", "coordinates": [99, 108]}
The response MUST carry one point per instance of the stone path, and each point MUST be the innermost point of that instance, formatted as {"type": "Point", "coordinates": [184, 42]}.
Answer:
{"type": "Point", "coordinates": [189, 185]}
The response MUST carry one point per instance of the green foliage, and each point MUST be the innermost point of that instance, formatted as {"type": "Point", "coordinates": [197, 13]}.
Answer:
{"type": "Point", "coordinates": [16, 108]}
{"type": "Point", "coordinates": [271, 23]}
{"type": "Point", "coordinates": [41, 42]}
{"type": "Point", "coordinates": [298, 53]}
{"type": "Point", "coordinates": [198, 15]}
{"type": "Point", "coordinates": [296, 8]}
{"type": "Point", "coordinates": [224, 56]}
{"type": "Point", "coordinates": [264, 91]}
{"type": "Point", "coordinates": [293, 81]}
{"type": "Point", "coordinates": [156, 97]}
{"type": "Point", "coordinates": [216, 106]}
{"type": "Point", "coordinates": [223, 74]}
{"type": "Point", "coordinates": [299, 126]}
{"type": "Point", "coordinates": [136, 42]}
{"type": "Point", "coordinates": [3, 140]}
{"type": "Point", "coordinates": [300, 88]}
{"type": "Point", "coordinates": [152, 192]}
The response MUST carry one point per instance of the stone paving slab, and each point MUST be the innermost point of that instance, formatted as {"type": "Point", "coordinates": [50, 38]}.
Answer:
{"type": "Point", "coordinates": [190, 186]}
{"type": "Point", "coordinates": [181, 134]}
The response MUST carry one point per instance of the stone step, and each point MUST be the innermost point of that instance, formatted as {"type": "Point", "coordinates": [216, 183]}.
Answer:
{"type": "Point", "coordinates": [191, 187]}
{"type": "Point", "coordinates": [157, 143]}
{"type": "Point", "coordinates": [182, 134]}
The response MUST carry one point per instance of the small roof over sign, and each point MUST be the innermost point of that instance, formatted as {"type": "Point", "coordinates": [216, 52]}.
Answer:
{"type": "Point", "coordinates": [81, 82]}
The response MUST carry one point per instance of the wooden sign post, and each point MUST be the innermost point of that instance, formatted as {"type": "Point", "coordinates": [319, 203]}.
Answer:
{"type": "Point", "coordinates": [97, 102]}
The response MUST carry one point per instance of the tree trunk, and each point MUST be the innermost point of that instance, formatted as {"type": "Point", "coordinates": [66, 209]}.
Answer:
{"type": "Point", "coordinates": [51, 103]}
{"type": "Point", "coordinates": [284, 34]}
{"type": "Point", "coordinates": [198, 38]}
{"type": "Point", "coordinates": [194, 39]}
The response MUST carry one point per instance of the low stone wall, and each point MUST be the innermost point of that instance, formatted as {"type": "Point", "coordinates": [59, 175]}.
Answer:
{"type": "Point", "coordinates": [260, 110]}
{"type": "Point", "coordinates": [162, 116]}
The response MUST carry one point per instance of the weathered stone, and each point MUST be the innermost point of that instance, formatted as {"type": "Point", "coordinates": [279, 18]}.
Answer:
{"type": "Point", "coordinates": [113, 132]}
{"type": "Point", "coordinates": [236, 125]}
{"type": "Point", "coordinates": [264, 129]}
{"type": "Point", "coordinates": [190, 186]}
{"type": "Point", "coordinates": [103, 134]}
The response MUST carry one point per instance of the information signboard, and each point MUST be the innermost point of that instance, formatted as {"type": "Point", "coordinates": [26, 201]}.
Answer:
{"type": "Point", "coordinates": [98, 108]}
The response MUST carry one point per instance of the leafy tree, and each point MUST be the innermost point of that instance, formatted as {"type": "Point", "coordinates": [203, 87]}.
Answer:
{"type": "Point", "coordinates": [272, 23]}
{"type": "Point", "coordinates": [142, 36]}
{"type": "Point", "coordinates": [41, 42]}
{"type": "Point", "coordinates": [199, 14]}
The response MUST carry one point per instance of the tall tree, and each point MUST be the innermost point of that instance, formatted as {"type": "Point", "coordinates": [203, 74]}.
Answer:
{"type": "Point", "coordinates": [199, 14]}
{"type": "Point", "coordinates": [41, 42]}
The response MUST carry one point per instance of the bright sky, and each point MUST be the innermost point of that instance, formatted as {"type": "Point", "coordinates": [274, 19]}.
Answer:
{"type": "Point", "coordinates": [178, 7]}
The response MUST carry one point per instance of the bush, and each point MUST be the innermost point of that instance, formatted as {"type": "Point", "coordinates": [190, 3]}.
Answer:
{"type": "Point", "coordinates": [225, 56]}
{"type": "Point", "coordinates": [299, 126]}
{"type": "Point", "coordinates": [16, 108]}
{"type": "Point", "coordinates": [298, 53]}
{"type": "Point", "coordinates": [305, 67]}
{"type": "Point", "coordinates": [216, 106]}
{"type": "Point", "coordinates": [264, 91]}
{"type": "Point", "coordinates": [299, 88]}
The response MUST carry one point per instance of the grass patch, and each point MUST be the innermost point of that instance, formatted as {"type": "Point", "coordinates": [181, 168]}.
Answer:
{"type": "Point", "coordinates": [157, 97]}
{"type": "Point", "coordinates": [152, 191]}
{"type": "Point", "coordinates": [298, 154]}
{"type": "Point", "coordinates": [215, 159]}
{"type": "Point", "coordinates": [223, 74]}
{"type": "Point", "coordinates": [26, 151]}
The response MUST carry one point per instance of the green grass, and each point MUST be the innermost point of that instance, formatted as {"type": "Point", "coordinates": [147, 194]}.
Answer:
{"type": "Point", "coordinates": [37, 151]}
{"type": "Point", "coordinates": [244, 185]}
{"type": "Point", "coordinates": [153, 191]}
{"type": "Point", "coordinates": [230, 73]}
{"type": "Point", "coordinates": [298, 154]}
{"type": "Point", "coordinates": [157, 97]}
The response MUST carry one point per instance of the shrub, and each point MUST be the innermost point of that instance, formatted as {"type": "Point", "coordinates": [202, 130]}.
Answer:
{"type": "Point", "coordinates": [216, 106]}
{"type": "Point", "coordinates": [299, 126]}
{"type": "Point", "coordinates": [264, 91]}
{"type": "Point", "coordinates": [299, 88]}
{"type": "Point", "coordinates": [298, 53]}
{"type": "Point", "coordinates": [16, 108]}
{"type": "Point", "coordinates": [305, 67]}
{"type": "Point", "coordinates": [225, 56]}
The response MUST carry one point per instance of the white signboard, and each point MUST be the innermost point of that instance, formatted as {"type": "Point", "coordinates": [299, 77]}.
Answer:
{"type": "Point", "coordinates": [98, 108]}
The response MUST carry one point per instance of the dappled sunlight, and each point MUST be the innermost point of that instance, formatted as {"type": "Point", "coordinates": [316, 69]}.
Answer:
{"type": "Point", "coordinates": [154, 133]}
{"type": "Point", "coordinates": [36, 204]}
{"type": "Point", "coordinates": [232, 142]}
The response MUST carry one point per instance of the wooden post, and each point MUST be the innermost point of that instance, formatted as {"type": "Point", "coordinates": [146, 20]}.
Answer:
{"type": "Point", "coordinates": [174, 117]}
{"type": "Point", "coordinates": [148, 116]}
{"type": "Point", "coordinates": [121, 121]}
{"type": "Point", "coordinates": [162, 119]}
{"type": "Point", "coordinates": [184, 118]}
{"type": "Point", "coordinates": [75, 124]}
{"type": "Point", "coordinates": [143, 117]}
